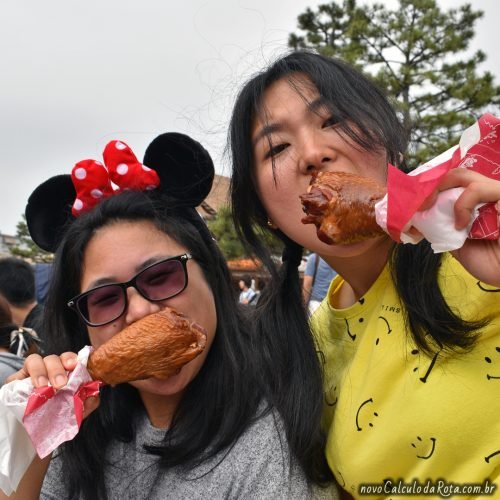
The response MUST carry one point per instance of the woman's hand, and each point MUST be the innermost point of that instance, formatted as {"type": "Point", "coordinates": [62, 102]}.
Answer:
{"type": "Point", "coordinates": [52, 369]}
{"type": "Point", "coordinates": [480, 257]}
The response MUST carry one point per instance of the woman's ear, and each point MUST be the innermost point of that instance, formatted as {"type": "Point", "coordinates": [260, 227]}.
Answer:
{"type": "Point", "coordinates": [48, 211]}
{"type": "Point", "coordinates": [184, 166]}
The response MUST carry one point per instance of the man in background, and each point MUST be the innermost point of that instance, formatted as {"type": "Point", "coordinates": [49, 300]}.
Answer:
{"type": "Point", "coordinates": [43, 273]}
{"type": "Point", "coordinates": [317, 278]}
{"type": "Point", "coordinates": [247, 293]}
{"type": "Point", "coordinates": [17, 286]}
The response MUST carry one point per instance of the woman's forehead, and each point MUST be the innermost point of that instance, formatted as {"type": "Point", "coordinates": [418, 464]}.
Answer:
{"type": "Point", "coordinates": [296, 85]}
{"type": "Point", "coordinates": [288, 97]}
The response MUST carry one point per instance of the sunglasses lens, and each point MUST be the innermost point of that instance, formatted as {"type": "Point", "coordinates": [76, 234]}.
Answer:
{"type": "Point", "coordinates": [163, 280]}
{"type": "Point", "coordinates": [103, 304]}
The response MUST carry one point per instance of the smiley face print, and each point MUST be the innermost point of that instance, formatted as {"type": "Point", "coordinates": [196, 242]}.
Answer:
{"type": "Point", "coordinates": [365, 414]}
{"type": "Point", "coordinates": [494, 360]}
{"type": "Point", "coordinates": [425, 447]}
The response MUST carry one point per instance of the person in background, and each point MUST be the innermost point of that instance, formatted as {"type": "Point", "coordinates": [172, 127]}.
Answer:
{"type": "Point", "coordinates": [17, 286]}
{"type": "Point", "coordinates": [256, 288]}
{"type": "Point", "coordinates": [43, 271]}
{"type": "Point", "coordinates": [247, 292]}
{"type": "Point", "coordinates": [15, 343]}
{"type": "Point", "coordinates": [317, 278]}
{"type": "Point", "coordinates": [9, 363]}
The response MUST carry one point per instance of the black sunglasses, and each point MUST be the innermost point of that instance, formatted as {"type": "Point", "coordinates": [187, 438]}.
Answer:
{"type": "Point", "coordinates": [159, 281]}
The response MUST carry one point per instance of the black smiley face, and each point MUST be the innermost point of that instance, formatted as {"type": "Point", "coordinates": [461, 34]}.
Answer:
{"type": "Point", "coordinates": [331, 396]}
{"type": "Point", "coordinates": [490, 361]}
{"type": "Point", "coordinates": [424, 379]}
{"type": "Point", "coordinates": [388, 326]}
{"type": "Point", "coordinates": [491, 456]}
{"type": "Point", "coordinates": [426, 449]}
{"type": "Point", "coordinates": [358, 419]}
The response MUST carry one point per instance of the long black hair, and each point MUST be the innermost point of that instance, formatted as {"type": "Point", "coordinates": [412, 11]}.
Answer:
{"type": "Point", "coordinates": [6, 324]}
{"type": "Point", "coordinates": [369, 120]}
{"type": "Point", "coordinates": [226, 382]}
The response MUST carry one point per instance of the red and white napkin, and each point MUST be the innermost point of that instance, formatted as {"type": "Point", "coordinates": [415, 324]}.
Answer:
{"type": "Point", "coordinates": [397, 212]}
{"type": "Point", "coordinates": [36, 421]}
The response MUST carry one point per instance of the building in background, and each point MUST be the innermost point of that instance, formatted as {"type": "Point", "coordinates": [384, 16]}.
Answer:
{"type": "Point", "coordinates": [6, 243]}
{"type": "Point", "coordinates": [217, 198]}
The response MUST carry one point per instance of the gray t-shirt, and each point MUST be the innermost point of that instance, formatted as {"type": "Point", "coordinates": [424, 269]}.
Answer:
{"type": "Point", "coordinates": [9, 364]}
{"type": "Point", "coordinates": [257, 467]}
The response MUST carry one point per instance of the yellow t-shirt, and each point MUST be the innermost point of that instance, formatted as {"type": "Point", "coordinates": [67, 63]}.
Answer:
{"type": "Point", "coordinates": [394, 414]}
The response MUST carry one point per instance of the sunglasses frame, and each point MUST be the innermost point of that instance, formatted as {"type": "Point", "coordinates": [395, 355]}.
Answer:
{"type": "Point", "coordinates": [73, 303]}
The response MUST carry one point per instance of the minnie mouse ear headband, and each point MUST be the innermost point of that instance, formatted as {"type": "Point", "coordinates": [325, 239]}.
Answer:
{"type": "Point", "coordinates": [174, 165]}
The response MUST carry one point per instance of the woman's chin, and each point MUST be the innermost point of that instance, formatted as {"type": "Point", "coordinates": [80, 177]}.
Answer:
{"type": "Point", "coordinates": [166, 386]}
{"type": "Point", "coordinates": [352, 249]}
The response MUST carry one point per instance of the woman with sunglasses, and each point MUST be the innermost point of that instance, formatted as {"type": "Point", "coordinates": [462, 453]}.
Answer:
{"type": "Point", "coordinates": [205, 432]}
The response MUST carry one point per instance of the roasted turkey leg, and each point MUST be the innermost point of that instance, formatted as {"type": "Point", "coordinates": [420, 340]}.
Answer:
{"type": "Point", "coordinates": [157, 345]}
{"type": "Point", "coordinates": [341, 206]}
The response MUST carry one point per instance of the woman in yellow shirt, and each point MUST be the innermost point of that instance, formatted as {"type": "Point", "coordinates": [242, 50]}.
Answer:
{"type": "Point", "coordinates": [409, 340]}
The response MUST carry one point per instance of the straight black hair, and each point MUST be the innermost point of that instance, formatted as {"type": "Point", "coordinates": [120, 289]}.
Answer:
{"type": "Point", "coordinates": [226, 382]}
{"type": "Point", "coordinates": [369, 120]}
{"type": "Point", "coordinates": [17, 281]}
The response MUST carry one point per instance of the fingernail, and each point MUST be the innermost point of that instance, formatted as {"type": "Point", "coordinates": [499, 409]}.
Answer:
{"type": "Point", "coordinates": [42, 381]}
{"type": "Point", "coordinates": [60, 380]}
{"type": "Point", "coordinates": [71, 362]}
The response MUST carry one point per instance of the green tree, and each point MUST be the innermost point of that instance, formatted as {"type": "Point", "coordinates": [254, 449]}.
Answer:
{"type": "Point", "coordinates": [223, 229]}
{"type": "Point", "coordinates": [27, 247]}
{"type": "Point", "coordinates": [417, 53]}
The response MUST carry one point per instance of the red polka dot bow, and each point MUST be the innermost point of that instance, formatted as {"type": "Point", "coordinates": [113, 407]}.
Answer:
{"type": "Point", "coordinates": [121, 171]}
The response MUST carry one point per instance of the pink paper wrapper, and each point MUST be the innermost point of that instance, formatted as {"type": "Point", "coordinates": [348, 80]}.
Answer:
{"type": "Point", "coordinates": [478, 150]}
{"type": "Point", "coordinates": [39, 420]}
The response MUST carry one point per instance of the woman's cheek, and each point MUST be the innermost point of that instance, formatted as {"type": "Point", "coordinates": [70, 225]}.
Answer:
{"type": "Point", "coordinates": [100, 335]}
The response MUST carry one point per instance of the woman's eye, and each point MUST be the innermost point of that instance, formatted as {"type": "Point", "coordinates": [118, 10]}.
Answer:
{"type": "Point", "coordinates": [103, 300]}
{"type": "Point", "coordinates": [275, 150]}
{"type": "Point", "coordinates": [158, 279]}
{"type": "Point", "coordinates": [330, 122]}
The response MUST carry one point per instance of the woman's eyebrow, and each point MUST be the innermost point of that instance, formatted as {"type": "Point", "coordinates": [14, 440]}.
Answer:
{"type": "Point", "coordinates": [99, 282]}
{"type": "Point", "coordinates": [151, 261]}
{"type": "Point", "coordinates": [318, 104]}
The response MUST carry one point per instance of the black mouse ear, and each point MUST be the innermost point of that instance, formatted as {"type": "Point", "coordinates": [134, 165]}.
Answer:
{"type": "Point", "coordinates": [184, 166]}
{"type": "Point", "coordinates": [49, 209]}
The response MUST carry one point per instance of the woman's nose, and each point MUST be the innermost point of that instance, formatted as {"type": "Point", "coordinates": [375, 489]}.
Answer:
{"type": "Point", "coordinates": [138, 306]}
{"type": "Point", "coordinates": [315, 155]}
